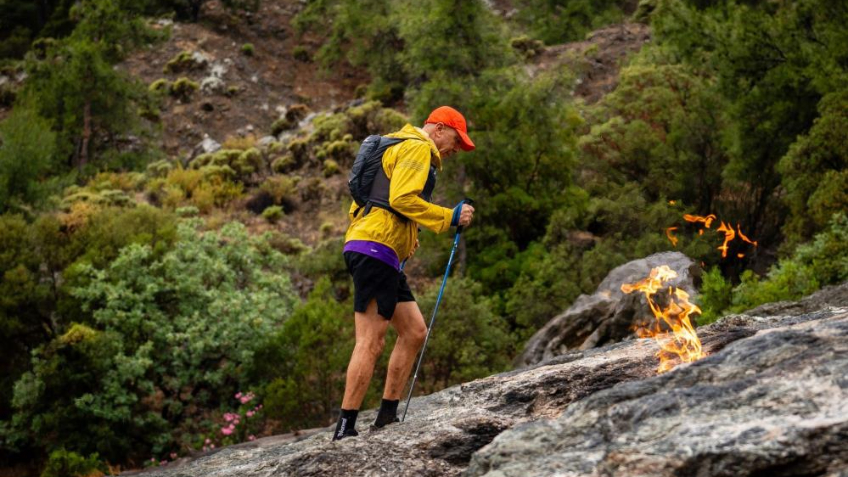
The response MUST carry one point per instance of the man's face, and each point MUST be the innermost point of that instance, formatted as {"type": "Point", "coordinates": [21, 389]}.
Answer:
{"type": "Point", "coordinates": [447, 140]}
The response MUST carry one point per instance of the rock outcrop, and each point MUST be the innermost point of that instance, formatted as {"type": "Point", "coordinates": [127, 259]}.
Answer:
{"type": "Point", "coordinates": [608, 315]}
{"type": "Point", "coordinates": [770, 399]}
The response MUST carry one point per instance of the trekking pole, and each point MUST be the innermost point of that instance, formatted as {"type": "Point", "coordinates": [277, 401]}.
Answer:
{"type": "Point", "coordinates": [435, 309]}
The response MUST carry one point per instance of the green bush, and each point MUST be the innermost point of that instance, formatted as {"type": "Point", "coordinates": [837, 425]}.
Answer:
{"type": "Point", "coordinates": [170, 338]}
{"type": "Point", "coordinates": [247, 49]}
{"type": "Point", "coordinates": [716, 296]}
{"type": "Point", "coordinates": [161, 85]}
{"type": "Point", "coordinates": [62, 463]}
{"type": "Point", "coordinates": [273, 214]}
{"type": "Point", "coordinates": [183, 88]}
{"type": "Point", "coordinates": [27, 148]}
{"type": "Point", "coordinates": [824, 261]}
{"type": "Point", "coordinates": [306, 361]}
{"type": "Point", "coordinates": [527, 47]}
{"type": "Point", "coordinates": [331, 168]}
{"type": "Point", "coordinates": [452, 357]}
{"type": "Point", "coordinates": [181, 62]}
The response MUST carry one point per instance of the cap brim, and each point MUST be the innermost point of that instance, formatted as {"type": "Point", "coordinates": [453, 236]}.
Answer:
{"type": "Point", "coordinates": [466, 144]}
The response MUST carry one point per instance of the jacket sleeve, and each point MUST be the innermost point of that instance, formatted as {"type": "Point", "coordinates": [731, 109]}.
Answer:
{"type": "Point", "coordinates": [408, 177]}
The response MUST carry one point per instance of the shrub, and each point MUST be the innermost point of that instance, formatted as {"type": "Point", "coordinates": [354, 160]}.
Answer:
{"type": "Point", "coordinates": [716, 296]}
{"type": "Point", "coordinates": [326, 229]}
{"type": "Point", "coordinates": [185, 61]}
{"type": "Point", "coordinates": [307, 360]}
{"type": "Point", "coordinates": [280, 125]}
{"type": "Point", "coordinates": [286, 244]}
{"type": "Point", "coordinates": [283, 164]}
{"type": "Point", "coordinates": [62, 463]}
{"type": "Point", "coordinates": [183, 88]}
{"type": "Point", "coordinates": [273, 214]}
{"type": "Point", "coordinates": [239, 143]}
{"type": "Point", "coordinates": [169, 338]}
{"type": "Point", "coordinates": [27, 148]}
{"type": "Point", "coordinates": [527, 47]}
{"type": "Point", "coordinates": [161, 85]}
{"type": "Point", "coordinates": [280, 188]}
{"type": "Point", "coordinates": [453, 358]}
{"type": "Point", "coordinates": [331, 168]}
{"type": "Point", "coordinates": [247, 49]}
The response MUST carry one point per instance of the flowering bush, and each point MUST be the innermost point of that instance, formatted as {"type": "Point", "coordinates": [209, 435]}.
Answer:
{"type": "Point", "coordinates": [169, 339]}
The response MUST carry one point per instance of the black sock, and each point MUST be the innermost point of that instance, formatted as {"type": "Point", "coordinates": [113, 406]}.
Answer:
{"type": "Point", "coordinates": [346, 425]}
{"type": "Point", "coordinates": [387, 413]}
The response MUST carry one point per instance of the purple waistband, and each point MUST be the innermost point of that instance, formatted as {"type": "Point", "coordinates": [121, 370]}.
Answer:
{"type": "Point", "coordinates": [376, 250]}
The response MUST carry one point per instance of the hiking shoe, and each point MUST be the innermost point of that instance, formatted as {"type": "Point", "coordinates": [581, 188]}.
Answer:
{"type": "Point", "coordinates": [347, 433]}
{"type": "Point", "coordinates": [381, 423]}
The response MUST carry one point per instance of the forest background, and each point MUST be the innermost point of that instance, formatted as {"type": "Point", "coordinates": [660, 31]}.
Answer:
{"type": "Point", "coordinates": [156, 302]}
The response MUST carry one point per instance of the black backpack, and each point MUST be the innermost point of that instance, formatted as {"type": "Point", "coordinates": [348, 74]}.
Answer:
{"type": "Point", "coordinates": [367, 181]}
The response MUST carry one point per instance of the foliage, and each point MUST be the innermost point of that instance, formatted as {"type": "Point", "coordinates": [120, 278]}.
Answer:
{"type": "Point", "coordinates": [62, 463]}
{"type": "Point", "coordinates": [716, 294]}
{"type": "Point", "coordinates": [248, 49]}
{"type": "Point", "coordinates": [823, 261]}
{"type": "Point", "coordinates": [273, 214]}
{"type": "Point", "coordinates": [306, 361]}
{"type": "Point", "coordinates": [183, 88]}
{"type": "Point", "coordinates": [468, 340]}
{"type": "Point", "coordinates": [152, 361]}
{"type": "Point", "coordinates": [27, 147]}
{"type": "Point", "coordinates": [815, 171]}
{"type": "Point", "coordinates": [559, 21]}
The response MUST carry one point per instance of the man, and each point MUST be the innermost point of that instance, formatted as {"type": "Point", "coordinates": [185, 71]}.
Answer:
{"type": "Point", "coordinates": [376, 241]}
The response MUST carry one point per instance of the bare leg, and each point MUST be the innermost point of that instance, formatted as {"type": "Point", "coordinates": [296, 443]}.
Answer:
{"type": "Point", "coordinates": [370, 339]}
{"type": "Point", "coordinates": [411, 331]}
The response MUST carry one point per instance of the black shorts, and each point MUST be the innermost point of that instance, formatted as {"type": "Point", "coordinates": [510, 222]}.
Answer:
{"type": "Point", "coordinates": [372, 279]}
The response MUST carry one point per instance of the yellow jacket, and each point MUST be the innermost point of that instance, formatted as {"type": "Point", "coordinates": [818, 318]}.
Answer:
{"type": "Point", "coordinates": [407, 165]}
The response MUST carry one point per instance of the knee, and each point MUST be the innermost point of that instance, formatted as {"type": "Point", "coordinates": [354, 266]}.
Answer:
{"type": "Point", "coordinates": [417, 335]}
{"type": "Point", "coordinates": [373, 346]}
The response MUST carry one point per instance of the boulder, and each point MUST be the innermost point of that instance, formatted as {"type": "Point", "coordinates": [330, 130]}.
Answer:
{"type": "Point", "coordinates": [771, 398]}
{"type": "Point", "coordinates": [608, 315]}
{"type": "Point", "coordinates": [205, 146]}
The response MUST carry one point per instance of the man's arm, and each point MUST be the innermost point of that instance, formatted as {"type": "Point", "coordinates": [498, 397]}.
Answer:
{"type": "Point", "coordinates": [408, 178]}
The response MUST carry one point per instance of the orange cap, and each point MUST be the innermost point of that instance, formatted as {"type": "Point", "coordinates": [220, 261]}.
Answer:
{"type": "Point", "coordinates": [454, 119]}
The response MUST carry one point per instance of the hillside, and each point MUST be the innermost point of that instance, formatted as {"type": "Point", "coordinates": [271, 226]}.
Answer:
{"type": "Point", "coordinates": [173, 206]}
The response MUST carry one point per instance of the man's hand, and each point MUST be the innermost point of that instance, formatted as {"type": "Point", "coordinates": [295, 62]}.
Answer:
{"type": "Point", "coordinates": [466, 215]}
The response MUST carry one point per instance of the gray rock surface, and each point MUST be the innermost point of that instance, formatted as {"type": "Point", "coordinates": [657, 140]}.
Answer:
{"type": "Point", "coordinates": [608, 315]}
{"type": "Point", "coordinates": [770, 399]}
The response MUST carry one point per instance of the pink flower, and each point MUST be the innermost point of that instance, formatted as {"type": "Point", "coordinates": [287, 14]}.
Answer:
{"type": "Point", "coordinates": [163, 462]}
{"type": "Point", "coordinates": [230, 416]}
{"type": "Point", "coordinates": [208, 440]}
{"type": "Point", "coordinates": [226, 431]}
{"type": "Point", "coordinates": [173, 455]}
{"type": "Point", "coordinates": [238, 395]}
{"type": "Point", "coordinates": [251, 437]}
{"type": "Point", "coordinates": [249, 413]}
{"type": "Point", "coordinates": [232, 426]}
{"type": "Point", "coordinates": [261, 406]}
{"type": "Point", "coordinates": [211, 446]}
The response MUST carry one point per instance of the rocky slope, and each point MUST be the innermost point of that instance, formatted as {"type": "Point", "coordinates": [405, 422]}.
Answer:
{"type": "Point", "coordinates": [771, 398]}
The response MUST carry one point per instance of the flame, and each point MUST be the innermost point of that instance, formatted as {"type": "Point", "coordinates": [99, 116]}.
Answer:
{"type": "Point", "coordinates": [743, 237]}
{"type": "Point", "coordinates": [729, 234]}
{"type": "Point", "coordinates": [681, 344]}
{"type": "Point", "coordinates": [671, 237]}
{"type": "Point", "coordinates": [697, 218]}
